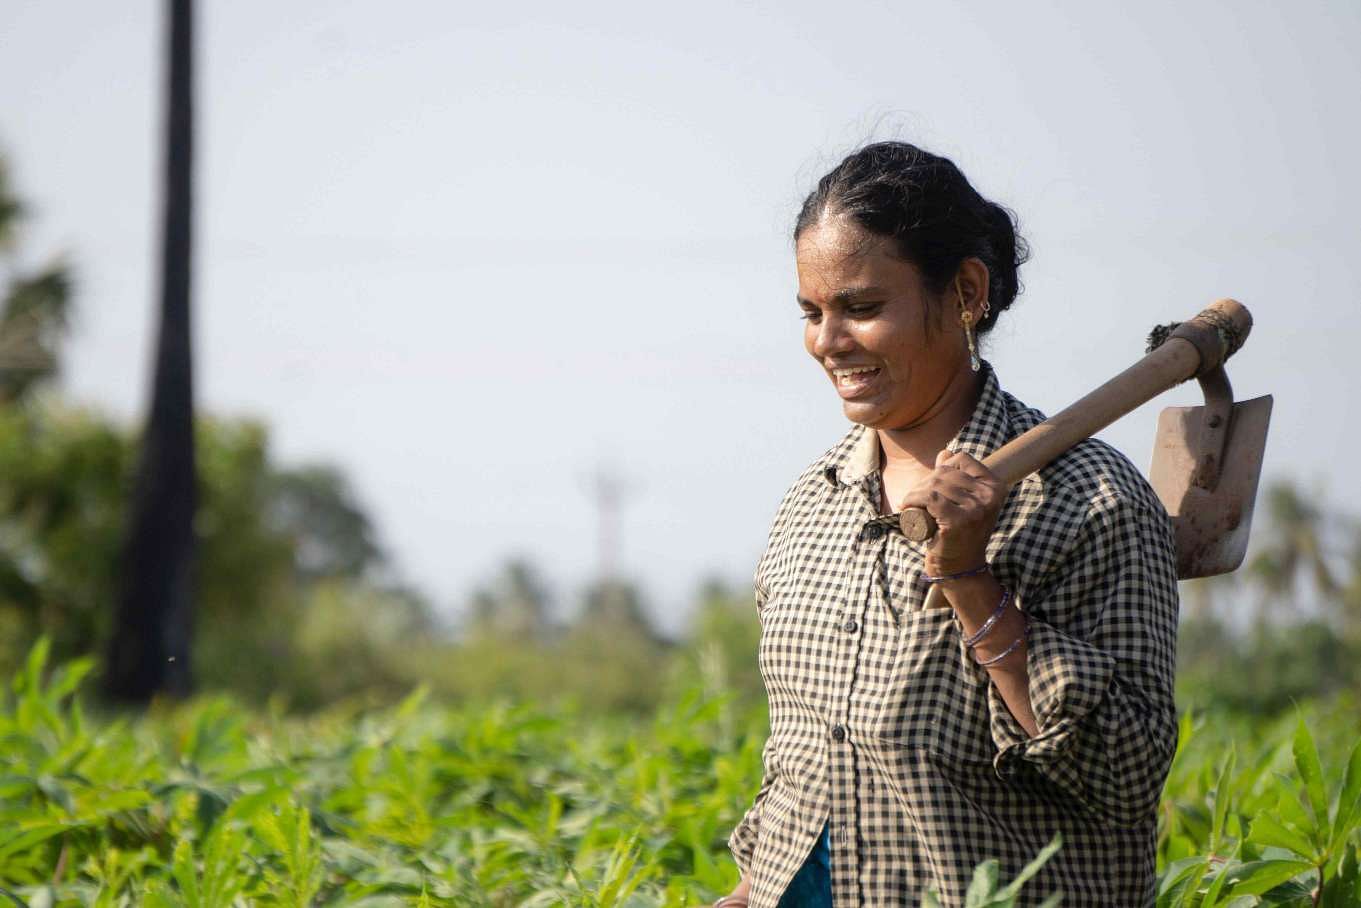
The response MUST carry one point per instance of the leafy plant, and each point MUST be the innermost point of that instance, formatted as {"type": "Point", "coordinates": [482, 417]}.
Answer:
{"type": "Point", "coordinates": [209, 803]}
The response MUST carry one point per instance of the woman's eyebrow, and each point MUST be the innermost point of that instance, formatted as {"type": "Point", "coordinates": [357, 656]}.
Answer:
{"type": "Point", "coordinates": [848, 295]}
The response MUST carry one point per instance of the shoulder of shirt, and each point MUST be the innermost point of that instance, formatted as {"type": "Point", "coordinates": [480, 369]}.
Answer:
{"type": "Point", "coordinates": [815, 474]}
{"type": "Point", "coordinates": [813, 480]}
{"type": "Point", "coordinates": [1092, 475]}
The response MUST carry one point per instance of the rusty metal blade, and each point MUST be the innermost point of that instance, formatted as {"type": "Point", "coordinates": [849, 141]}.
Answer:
{"type": "Point", "coordinates": [1211, 526]}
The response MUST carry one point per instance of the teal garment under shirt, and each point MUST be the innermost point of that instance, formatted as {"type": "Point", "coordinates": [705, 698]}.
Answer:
{"type": "Point", "coordinates": [812, 885]}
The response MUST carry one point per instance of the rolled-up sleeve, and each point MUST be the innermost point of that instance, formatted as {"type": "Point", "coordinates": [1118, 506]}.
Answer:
{"type": "Point", "coordinates": [1101, 663]}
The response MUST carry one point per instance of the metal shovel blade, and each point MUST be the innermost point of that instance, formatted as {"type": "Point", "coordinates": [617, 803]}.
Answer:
{"type": "Point", "coordinates": [1211, 524]}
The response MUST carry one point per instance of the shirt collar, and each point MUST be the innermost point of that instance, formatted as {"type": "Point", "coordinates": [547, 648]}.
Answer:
{"type": "Point", "coordinates": [986, 430]}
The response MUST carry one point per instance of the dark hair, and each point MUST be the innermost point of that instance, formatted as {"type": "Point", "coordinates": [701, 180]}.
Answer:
{"type": "Point", "coordinates": [934, 216]}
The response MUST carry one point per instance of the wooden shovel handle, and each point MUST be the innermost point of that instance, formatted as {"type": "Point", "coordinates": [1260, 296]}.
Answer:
{"type": "Point", "coordinates": [1192, 348]}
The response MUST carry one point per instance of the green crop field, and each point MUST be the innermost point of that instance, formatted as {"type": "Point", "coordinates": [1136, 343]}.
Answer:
{"type": "Point", "coordinates": [212, 804]}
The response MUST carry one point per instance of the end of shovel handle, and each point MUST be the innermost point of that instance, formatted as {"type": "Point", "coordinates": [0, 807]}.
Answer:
{"type": "Point", "coordinates": [917, 524]}
{"type": "Point", "coordinates": [1217, 332]}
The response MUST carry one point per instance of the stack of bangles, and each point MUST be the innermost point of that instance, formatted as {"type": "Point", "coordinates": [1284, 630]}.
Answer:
{"type": "Point", "coordinates": [982, 632]}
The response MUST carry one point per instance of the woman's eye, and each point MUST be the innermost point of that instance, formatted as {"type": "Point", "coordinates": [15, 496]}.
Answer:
{"type": "Point", "coordinates": [861, 310]}
{"type": "Point", "coordinates": [811, 316]}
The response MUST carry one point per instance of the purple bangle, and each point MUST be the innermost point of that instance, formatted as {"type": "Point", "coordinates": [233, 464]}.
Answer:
{"type": "Point", "coordinates": [944, 577]}
{"type": "Point", "coordinates": [992, 619]}
{"type": "Point", "coordinates": [1025, 634]}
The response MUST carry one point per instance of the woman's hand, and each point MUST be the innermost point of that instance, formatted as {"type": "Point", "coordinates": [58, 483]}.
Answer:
{"type": "Point", "coordinates": [965, 498]}
{"type": "Point", "coordinates": [737, 897]}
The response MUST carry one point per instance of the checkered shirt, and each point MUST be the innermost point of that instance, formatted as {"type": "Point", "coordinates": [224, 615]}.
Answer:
{"type": "Point", "coordinates": [882, 724]}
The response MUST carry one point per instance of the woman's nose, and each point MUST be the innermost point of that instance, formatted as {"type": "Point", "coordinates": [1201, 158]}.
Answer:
{"type": "Point", "coordinates": [831, 337]}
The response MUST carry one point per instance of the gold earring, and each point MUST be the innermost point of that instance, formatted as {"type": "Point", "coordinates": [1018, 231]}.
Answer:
{"type": "Point", "coordinates": [967, 318]}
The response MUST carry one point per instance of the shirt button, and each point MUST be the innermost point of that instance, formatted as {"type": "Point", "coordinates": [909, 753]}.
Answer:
{"type": "Point", "coordinates": [850, 626]}
{"type": "Point", "coordinates": [838, 733]}
{"type": "Point", "coordinates": [874, 531]}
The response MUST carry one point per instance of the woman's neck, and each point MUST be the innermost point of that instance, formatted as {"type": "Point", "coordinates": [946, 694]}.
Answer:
{"type": "Point", "coordinates": [915, 447]}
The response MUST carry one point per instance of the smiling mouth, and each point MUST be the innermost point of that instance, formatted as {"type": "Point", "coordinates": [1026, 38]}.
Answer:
{"type": "Point", "coordinates": [851, 381]}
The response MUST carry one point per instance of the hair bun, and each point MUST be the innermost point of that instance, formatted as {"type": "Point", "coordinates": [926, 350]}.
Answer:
{"type": "Point", "coordinates": [1010, 252]}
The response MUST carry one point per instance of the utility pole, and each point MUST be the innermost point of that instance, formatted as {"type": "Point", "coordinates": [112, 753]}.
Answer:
{"type": "Point", "coordinates": [149, 647]}
{"type": "Point", "coordinates": [608, 488]}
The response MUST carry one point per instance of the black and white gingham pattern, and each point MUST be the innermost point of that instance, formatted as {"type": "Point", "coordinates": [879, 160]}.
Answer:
{"type": "Point", "coordinates": [882, 724]}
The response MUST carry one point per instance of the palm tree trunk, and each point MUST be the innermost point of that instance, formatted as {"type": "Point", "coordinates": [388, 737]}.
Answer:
{"type": "Point", "coordinates": [149, 646]}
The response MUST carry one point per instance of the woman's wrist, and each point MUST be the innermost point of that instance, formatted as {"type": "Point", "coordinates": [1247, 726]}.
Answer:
{"type": "Point", "coordinates": [973, 598]}
{"type": "Point", "coordinates": [995, 654]}
{"type": "Point", "coordinates": [956, 575]}
{"type": "Point", "coordinates": [951, 567]}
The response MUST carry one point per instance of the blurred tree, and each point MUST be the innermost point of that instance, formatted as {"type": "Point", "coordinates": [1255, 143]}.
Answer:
{"type": "Point", "coordinates": [513, 607]}
{"type": "Point", "coordinates": [1348, 598]}
{"type": "Point", "coordinates": [331, 533]}
{"type": "Point", "coordinates": [63, 496]}
{"type": "Point", "coordinates": [1305, 551]}
{"type": "Point", "coordinates": [52, 477]}
{"type": "Point", "coordinates": [615, 607]}
{"type": "Point", "coordinates": [353, 639]}
{"type": "Point", "coordinates": [1292, 550]}
{"type": "Point", "coordinates": [150, 645]}
{"type": "Point", "coordinates": [34, 309]}
{"type": "Point", "coordinates": [1264, 671]}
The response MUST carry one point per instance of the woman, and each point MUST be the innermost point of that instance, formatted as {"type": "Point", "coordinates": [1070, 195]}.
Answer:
{"type": "Point", "coordinates": [908, 743]}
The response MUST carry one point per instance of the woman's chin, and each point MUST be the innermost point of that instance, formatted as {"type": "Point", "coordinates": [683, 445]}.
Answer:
{"type": "Point", "coordinates": [865, 412]}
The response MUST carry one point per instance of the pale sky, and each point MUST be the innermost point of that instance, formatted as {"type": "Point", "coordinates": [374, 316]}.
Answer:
{"type": "Point", "coordinates": [471, 252]}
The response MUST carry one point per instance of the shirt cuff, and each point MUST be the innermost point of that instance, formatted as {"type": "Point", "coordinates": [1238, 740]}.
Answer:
{"type": "Point", "coordinates": [1068, 678]}
{"type": "Point", "coordinates": [742, 841]}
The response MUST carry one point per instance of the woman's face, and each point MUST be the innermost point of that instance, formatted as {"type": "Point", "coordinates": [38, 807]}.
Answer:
{"type": "Point", "coordinates": [874, 328]}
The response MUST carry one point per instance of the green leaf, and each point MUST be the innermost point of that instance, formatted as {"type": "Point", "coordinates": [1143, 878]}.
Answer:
{"type": "Point", "coordinates": [1192, 884]}
{"type": "Point", "coordinates": [1349, 801]}
{"type": "Point", "coordinates": [983, 884]}
{"type": "Point", "coordinates": [1290, 809]}
{"type": "Point", "coordinates": [68, 677]}
{"type": "Point", "coordinates": [31, 677]}
{"type": "Point", "coordinates": [1012, 889]}
{"type": "Point", "coordinates": [1257, 877]}
{"type": "Point", "coordinates": [1266, 831]}
{"type": "Point", "coordinates": [1175, 880]}
{"type": "Point", "coordinates": [1185, 728]}
{"type": "Point", "coordinates": [1311, 773]}
{"type": "Point", "coordinates": [1221, 801]}
{"type": "Point", "coordinates": [27, 838]}
{"type": "Point", "coordinates": [182, 869]}
{"type": "Point", "coordinates": [1217, 884]}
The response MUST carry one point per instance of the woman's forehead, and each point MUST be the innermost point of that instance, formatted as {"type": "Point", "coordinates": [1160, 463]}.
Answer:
{"type": "Point", "coordinates": [832, 256]}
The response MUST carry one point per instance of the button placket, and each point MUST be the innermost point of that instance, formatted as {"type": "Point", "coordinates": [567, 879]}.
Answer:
{"type": "Point", "coordinates": [865, 553]}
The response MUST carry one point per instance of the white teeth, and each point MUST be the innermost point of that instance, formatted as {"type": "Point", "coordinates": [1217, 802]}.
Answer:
{"type": "Point", "coordinates": [843, 373]}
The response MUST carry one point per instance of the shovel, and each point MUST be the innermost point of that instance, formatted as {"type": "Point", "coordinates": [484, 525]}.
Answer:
{"type": "Point", "coordinates": [1206, 460]}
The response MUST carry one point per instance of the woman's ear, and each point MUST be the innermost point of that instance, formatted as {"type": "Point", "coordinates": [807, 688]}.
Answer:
{"type": "Point", "coordinates": [972, 280]}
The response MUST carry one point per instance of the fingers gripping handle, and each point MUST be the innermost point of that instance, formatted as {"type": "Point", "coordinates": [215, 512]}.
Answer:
{"type": "Point", "coordinates": [917, 524]}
